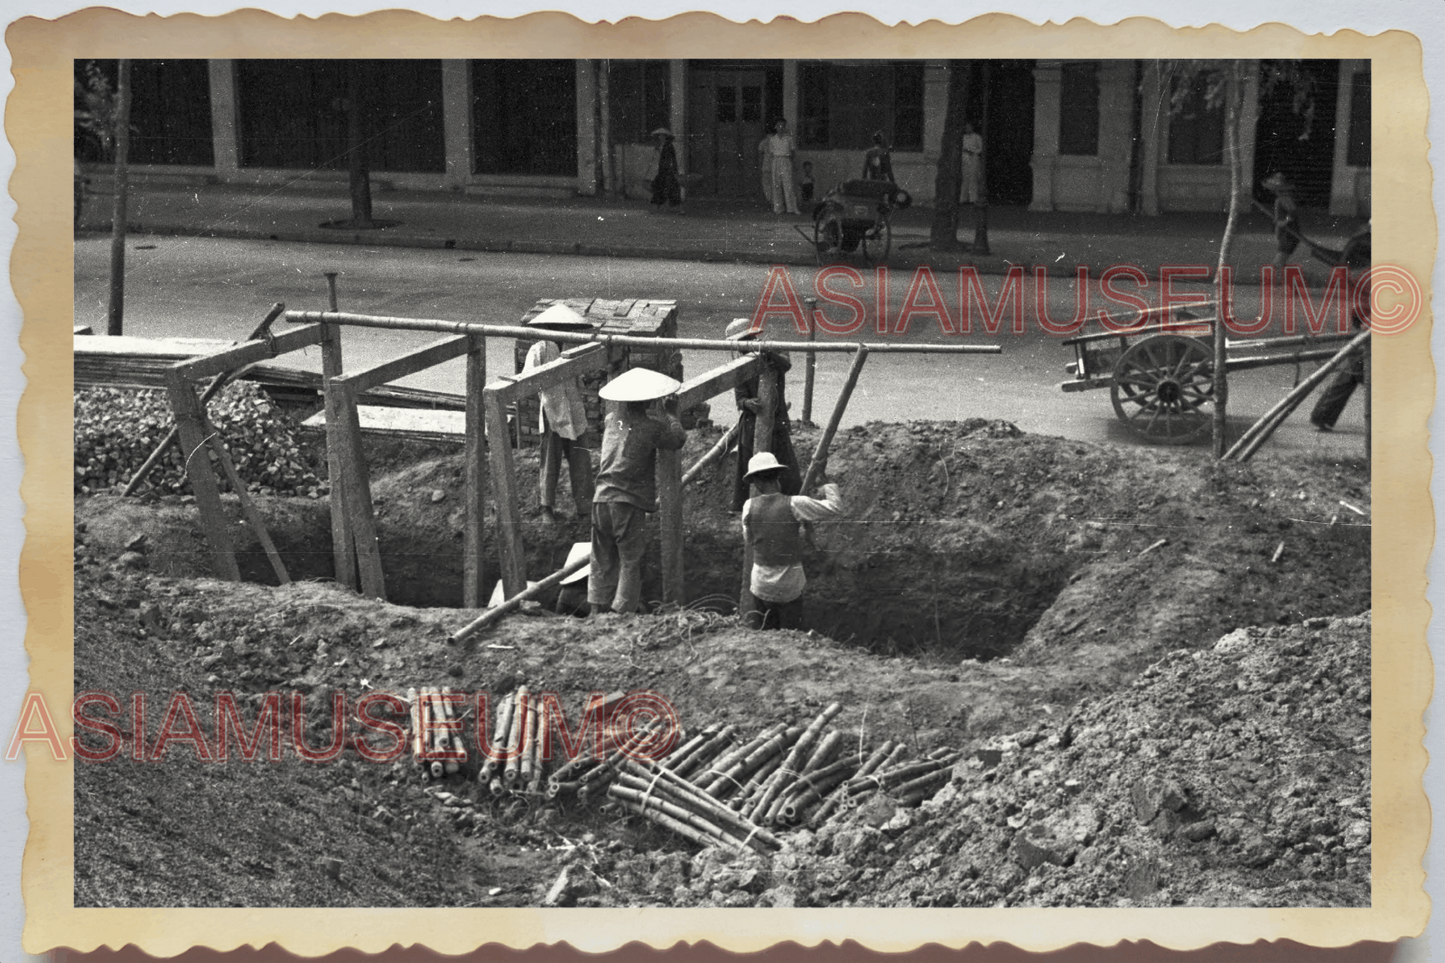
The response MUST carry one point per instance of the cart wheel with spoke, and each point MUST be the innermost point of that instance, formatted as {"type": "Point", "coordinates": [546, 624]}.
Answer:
{"type": "Point", "coordinates": [876, 242]}
{"type": "Point", "coordinates": [1162, 387]}
{"type": "Point", "coordinates": [827, 238]}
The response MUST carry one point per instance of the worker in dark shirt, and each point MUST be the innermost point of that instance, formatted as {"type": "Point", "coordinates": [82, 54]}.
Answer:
{"type": "Point", "coordinates": [626, 490]}
{"type": "Point", "coordinates": [773, 529]}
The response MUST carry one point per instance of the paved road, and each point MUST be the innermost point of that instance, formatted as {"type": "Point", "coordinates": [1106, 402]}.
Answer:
{"type": "Point", "coordinates": [220, 288]}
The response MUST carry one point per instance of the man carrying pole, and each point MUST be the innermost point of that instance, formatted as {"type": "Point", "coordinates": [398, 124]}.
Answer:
{"type": "Point", "coordinates": [627, 485]}
{"type": "Point", "coordinates": [749, 402]}
{"type": "Point", "coordinates": [562, 421]}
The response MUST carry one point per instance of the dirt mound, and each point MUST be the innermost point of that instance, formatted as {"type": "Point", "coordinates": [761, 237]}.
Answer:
{"type": "Point", "coordinates": [984, 582]}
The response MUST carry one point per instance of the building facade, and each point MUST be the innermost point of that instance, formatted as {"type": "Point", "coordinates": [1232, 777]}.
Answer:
{"type": "Point", "coordinates": [1065, 135]}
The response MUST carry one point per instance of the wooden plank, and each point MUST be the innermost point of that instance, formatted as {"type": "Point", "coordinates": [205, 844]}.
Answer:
{"type": "Point", "coordinates": [504, 493]}
{"type": "Point", "coordinates": [250, 352]}
{"type": "Point", "coordinates": [424, 423]}
{"type": "Point", "coordinates": [715, 381]}
{"type": "Point", "coordinates": [343, 547]}
{"type": "Point", "coordinates": [248, 507]}
{"type": "Point", "coordinates": [510, 388]}
{"type": "Point", "coordinates": [476, 460]}
{"type": "Point", "coordinates": [669, 502]}
{"type": "Point", "coordinates": [411, 363]}
{"type": "Point", "coordinates": [360, 514]}
{"type": "Point", "coordinates": [191, 423]}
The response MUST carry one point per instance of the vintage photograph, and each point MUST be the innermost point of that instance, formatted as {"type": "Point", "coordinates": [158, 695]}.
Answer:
{"type": "Point", "coordinates": [686, 483]}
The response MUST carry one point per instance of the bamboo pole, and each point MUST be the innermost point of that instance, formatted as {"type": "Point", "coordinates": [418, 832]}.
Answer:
{"type": "Point", "coordinates": [810, 370]}
{"type": "Point", "coordinates": [717, 810]}
{"type": "Point", "coordinates": [681, 753]}
{"type": "Point", "coordinates": [788, 771]}
{"type": "Point", "coordinates": [820, 455]}
{"type": "Point", "coordinates": [706, 752]}
{"type": "Point", "coordinates": [683, 829]}
{"type": "Point", "coordinates": [621, 340]}
{"type": "Point", "coordinates": [512, 770]}
{"type": "Point", "coordinates": [720, 771]}
{"type": "Point", "coordinates": [1259, 432]}
{"type": "Point", "coordinates": [713, 454]}
{"type": "Point", "coordinates": [503, 732]}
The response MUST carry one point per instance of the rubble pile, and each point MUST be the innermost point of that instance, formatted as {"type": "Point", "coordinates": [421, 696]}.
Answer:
{"type": "Point", "coordinates": [1238, 775]}
{"type": "Point", "coordinates": [116, 430]}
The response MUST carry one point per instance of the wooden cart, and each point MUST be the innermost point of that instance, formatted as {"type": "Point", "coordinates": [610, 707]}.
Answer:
{"type": "Point", "coordinates": [1159, 369]}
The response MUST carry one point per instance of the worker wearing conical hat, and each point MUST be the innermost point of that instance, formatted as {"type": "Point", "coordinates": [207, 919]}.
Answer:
{"type": "Point", "coordinates": [627, 485]}
{"type": "Point", "coordinates": [773, 529]}
{"type": "Point", "coordinates": [562, 418]}
{"type": "Point", "coordinates": [1286, 220]}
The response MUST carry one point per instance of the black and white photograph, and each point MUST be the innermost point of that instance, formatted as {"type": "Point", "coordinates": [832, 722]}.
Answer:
{"type": "Point", "coordinates": [789, 482]}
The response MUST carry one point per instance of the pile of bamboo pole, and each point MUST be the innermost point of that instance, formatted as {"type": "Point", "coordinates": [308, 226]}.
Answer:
{"type": "Point", "coordinates": [715, 787]}
{"type": "Point", "coordinates": [442, 739]}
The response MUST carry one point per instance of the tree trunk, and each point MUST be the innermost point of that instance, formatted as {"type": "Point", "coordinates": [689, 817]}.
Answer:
{"type": "Point", "coordinates": [980, 229]}
{"type": "Point", "coordinates": [115, 317]}
{"type": "Point", "coordinates": [1233, 92]}
{"type": "Point", "coordinates": [604, 125]}
{"type": "Point", "coordinates": [359, 176]}
{"type": "Point", "coordinates": [943, 235]}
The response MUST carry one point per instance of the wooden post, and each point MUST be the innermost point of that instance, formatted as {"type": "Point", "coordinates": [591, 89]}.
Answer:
{"type": "Point", "coordinates": [762, 441]}
{"type": "Point", "coordinates": [812, 366]}
{"type": "Point", "coordinates": [357, 481]}
{"type": "Point", "coordinates": [190, 421]}
{"type": "Point", "coordinates": [820, 454]}
{"type": "Point", "coordinates": [669, 501]}
{"type": "Point", "coordinates": [504, 493]}
{"type": "Point", "coordinates": [120, 217]}
{"type": "Point", "coordinates": [472, 595]}
{"type": "Point", "coordinates": [343, 552]}
{"type": "Point", "coordinates": [248, 508]}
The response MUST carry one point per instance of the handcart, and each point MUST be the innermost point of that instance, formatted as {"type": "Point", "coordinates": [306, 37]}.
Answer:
{"type": "Point", "coordinates": [854, 216]}
{"type": "Point", "coordinates": [1159, 368]}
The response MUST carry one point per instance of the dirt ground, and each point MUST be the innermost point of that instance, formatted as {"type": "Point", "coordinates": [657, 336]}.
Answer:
{"type": "Point", "coordinates": [1051, 608]}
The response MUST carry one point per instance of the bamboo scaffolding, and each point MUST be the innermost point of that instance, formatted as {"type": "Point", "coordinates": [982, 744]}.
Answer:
{"type": "Point", "coordinates": [620, 340]}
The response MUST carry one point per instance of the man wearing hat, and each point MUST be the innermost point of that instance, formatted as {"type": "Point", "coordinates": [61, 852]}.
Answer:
{"type": "Point", "coordinates": [627, 485]}
{"type": "Point", "coordinates": [773, 530]}
{"type": "Point", "coordinates": [562, 422]}
{"type": "Point", "coordinates": [1286, 220]}
{"type": "Point", "coordinates": [749, 407]}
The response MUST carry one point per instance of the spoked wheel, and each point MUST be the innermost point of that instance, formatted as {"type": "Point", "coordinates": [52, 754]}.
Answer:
{"type": "Point", "coordinates": [876, 242]}
{"type": "Point", "coordinates": [1162, 386]}
{"type": "Point", "coordinates": [827, 238]}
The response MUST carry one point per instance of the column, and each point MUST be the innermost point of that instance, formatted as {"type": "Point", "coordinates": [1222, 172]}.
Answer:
{"type": "Point", "coordinates": [225, 121]}
{"type": "Point", "coordinates": [1048, 84]}
{"type": "Point", "coordinates": [1116, 133]}
{"type": "Point", "coordinates": [457, 122]}
{"type": "Point", "coordinates": [1152, 117]}
{"type": "Point", "coordinates": [935, 107]}
{"type": "Point", "coordinates": [587, 127]}
{"type": "Point", "coordinates": [1342, 176]}
{"type": "Point", "coordinates": [790, 95]}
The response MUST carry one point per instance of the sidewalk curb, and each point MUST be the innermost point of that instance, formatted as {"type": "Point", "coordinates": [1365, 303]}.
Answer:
{"type": "Point", "coordinates": [986, 266]}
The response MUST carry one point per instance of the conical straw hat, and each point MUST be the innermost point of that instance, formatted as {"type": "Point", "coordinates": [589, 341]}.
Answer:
{"type": "Point", "coordinates": [559, 317]}
{"type": "Point", "coordinates": [639, 384]}
{"type": "Point", "coordinates": [580, 550]}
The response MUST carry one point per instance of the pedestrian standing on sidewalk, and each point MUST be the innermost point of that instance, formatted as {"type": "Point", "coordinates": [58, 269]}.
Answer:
{"type": "Point", "coordinates": [562, 419]}
{"type": "Point", "coordinates": [749, 407]}
{"type": "Point", "coordinates": [773, 529]}
{"type": "Point", "coordinates": [627, 485]}
{"type": "Point", "coordinates": [1351, 375]}
{"type": "Point", "coordinates": [780, 151]}
{"type": "Point", "coordinates": [1286, 220]}
{"type": "Point", "coordinates": [666, 187]}
{"type": "Point", "coordinates": [765, 166]}
{"type": "Point", "coordinates": [972, 165]}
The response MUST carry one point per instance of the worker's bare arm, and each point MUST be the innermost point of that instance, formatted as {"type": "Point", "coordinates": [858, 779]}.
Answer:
{"type": "Point", "coordinates": [807, 509]}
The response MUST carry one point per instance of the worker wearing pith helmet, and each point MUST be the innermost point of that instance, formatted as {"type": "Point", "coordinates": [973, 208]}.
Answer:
{"type": "Point", "coordinates": [773, 529]}
{"type": "Point", "coordinates": [627, 484]}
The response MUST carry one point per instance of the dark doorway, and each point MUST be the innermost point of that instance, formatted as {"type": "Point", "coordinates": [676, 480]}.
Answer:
{"type": "Point", "coordinates": [1296, 130]}
{"type": "Point", "coordinates": [170, 111]}
{"type": "Point", "coordinates": [1009, 142]}
{"type": "Point", "coordinates": [524, 117]}
{"type": "Point", "coordinates": [730, 107]}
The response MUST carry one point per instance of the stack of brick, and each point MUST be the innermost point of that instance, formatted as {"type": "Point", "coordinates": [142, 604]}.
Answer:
{"type": "Point", "coordinates": [638, 318]}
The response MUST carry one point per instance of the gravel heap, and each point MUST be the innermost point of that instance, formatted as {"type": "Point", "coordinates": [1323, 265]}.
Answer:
{"type": "Point", "coordinates": [1238, 775]}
